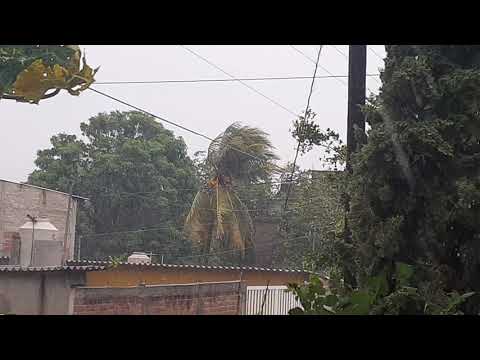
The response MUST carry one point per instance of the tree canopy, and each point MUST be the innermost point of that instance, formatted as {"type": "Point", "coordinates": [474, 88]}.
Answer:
{"type": "Point", "coordinates": [137, 176]}
{"type": "Point", "coordinates": [415, 187]}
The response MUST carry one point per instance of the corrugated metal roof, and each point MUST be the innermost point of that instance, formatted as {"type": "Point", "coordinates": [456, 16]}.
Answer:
{"type": "Point", "coordinates": [14, 268]}
{"type": "Point", "coordinates": [184, 266]}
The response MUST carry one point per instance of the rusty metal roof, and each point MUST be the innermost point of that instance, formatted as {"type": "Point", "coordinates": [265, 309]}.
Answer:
{"type": "Point", "coordinates": [16, 268]}
{"type": "Point", "coordinates": [184, 266]}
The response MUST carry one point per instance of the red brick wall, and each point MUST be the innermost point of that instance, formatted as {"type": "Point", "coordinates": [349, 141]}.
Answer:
{"type": "Point", "coordinates": [188, 299]}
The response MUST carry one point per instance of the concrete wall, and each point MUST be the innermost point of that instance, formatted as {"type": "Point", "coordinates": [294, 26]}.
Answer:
{"type": "Point", "coordinates": [125, 275]}
{"type": "Point", "coordinates": [18, 200]}
{"type": "Point", "coordinates": [187, 299]}
{"type": "Point", "coordinates": [48, 253]}
{"type": "Point", "coordinates": [38, 293]}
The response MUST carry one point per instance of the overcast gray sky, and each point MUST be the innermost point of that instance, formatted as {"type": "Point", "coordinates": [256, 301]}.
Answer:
{"type": "Point", "coordinates": [205, 107]}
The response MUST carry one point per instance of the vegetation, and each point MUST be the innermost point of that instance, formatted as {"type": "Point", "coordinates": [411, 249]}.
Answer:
{"type": "Point", "coordinates": [29, 72]}
{"type": "Point", "coordinates": [315, 212]}
{"type": "Point", "coordinates": [415, 188]}
{"type": "Point", "coordinates": [137, 176]}
{"type": "Point", "coordinates": [218, 219]}
{"type": "Point", "coordinates": [315, 208]}
{"type": "Point", "coordinates": [408, 296]}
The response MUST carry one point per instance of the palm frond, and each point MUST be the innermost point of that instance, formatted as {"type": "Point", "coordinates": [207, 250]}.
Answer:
{"type": "Point", "coordinates": [229, 219]}
{"type": "Point", "coordinates": [199, 222]}
{"type": "Point", "coordinates": [225, 159]}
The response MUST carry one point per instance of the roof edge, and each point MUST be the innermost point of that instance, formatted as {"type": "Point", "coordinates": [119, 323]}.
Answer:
{"type": "Point", "coordinates": [186, 266]}
{"type": "Point", "coordinates": [42, 188]}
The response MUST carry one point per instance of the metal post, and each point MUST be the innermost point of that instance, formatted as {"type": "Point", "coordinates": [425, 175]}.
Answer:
{"type": "Point", "coordinates": [67, 225]}
{"type": "Point", "coordinates": [265, 297]}
{"type": "Point", "coordinates": [79, 246]}
{"type": "Point", "coordinates": [33, 219]}
{"type": "Point", "coordinates": [239, 299]}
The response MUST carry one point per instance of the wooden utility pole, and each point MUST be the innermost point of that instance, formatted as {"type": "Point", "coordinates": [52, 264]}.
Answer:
{"type": "Point", "coordinates": [357, 69]}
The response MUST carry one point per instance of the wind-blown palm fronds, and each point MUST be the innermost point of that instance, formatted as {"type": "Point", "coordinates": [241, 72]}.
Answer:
{"type": "Point", "coordinates": [218, 219]}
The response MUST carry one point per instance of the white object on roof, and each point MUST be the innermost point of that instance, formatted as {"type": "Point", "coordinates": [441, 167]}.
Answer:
{"type": "Point", "coordinates": [42, 231]}
{"type": "Point", "coordinates": [41, 224]}
{"type": "Point", "coordinates": [139, 258]}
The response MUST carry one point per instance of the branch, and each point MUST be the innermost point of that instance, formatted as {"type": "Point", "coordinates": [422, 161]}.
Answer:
{"type": "Point", "coordinates": [20, 99]}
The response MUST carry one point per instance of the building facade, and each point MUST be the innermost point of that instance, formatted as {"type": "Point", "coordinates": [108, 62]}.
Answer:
{"type": "Point", "coordinates": [17, 200]}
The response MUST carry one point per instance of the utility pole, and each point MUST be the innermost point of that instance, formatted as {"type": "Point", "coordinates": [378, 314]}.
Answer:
{"type": "Point", "coordinates": [357, 69]}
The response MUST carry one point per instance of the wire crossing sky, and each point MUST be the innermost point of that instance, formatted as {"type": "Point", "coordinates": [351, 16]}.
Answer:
{"type": "Point", "coordinates": [210, 106]}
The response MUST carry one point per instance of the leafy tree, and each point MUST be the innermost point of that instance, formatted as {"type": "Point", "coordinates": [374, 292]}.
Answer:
{"type": "Point", "coordinates": [408, 297]}
{"type": "Point", "coordinates": [218, 220]}
{"type": "Point", "coordinates": [415, 187]}
{"type": "Point", "coordinates": [137, 176]}
{"type": "Point", "coordinates": [316, 207]}
{"type": "Point", "coordinates": [28, 72]}
{"type": "Point", "coordinates": [315, 212]}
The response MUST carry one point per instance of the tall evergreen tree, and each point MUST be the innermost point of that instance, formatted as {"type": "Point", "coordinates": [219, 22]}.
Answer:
{"type": "Point", "coordinates": [415, 190]}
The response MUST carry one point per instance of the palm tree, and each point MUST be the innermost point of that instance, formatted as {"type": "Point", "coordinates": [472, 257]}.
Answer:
{"type": "Point", "coordinates": [218, 219]}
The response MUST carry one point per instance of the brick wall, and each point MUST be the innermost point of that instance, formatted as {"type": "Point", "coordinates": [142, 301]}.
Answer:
{"type": "Point", "coordinates": [225, 298]}
{"type": "Point", "coordinates": [18, 200]}
{"type": "Point", "coordinates": [267, 237]}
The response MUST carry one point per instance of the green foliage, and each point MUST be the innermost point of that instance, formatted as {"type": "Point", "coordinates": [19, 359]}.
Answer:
{"type": "Point", "coordinates": [136, 174]}
{"type": "Point", "coordinates": [415, 186]}
{"type": "Point", "coordinates": [315, 211]}
{"type": "Point", "coordinates": [115, 261]}
{"type": "Point", "coordinates": [376, 297]}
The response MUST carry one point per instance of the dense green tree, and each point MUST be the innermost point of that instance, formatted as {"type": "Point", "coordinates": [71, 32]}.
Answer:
{"type": "Point", "coordinates": [415, 189]}
{"type": "Point", "coordinates": [315, 213]}
{"type": "Point", "coordinates": [137, 176]}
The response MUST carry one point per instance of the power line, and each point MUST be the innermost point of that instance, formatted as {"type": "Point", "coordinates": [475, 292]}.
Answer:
{"type": "Point", "coordinates": [273, 183]}
{"type": "Point", "coordinates": [313, 62]}
{"type": "Point", "coordinates": [340, 51]}
{"type": "Point", "coordinates": [306, 113]}
{"type": "Point", "coordinates": [174, 124]}
{"type": "Point", "coordinates": [153, 115]}
{"type": "Point", "coordinates": [248, 247]}
{"type": "Point", "coordinates": [94, 235]}
{"type": "Point", "coordinates": [288, 240]}
{"type": "Point", "coordinates": [222, 80]}
{"type": "Point", "coordinates": [346, 58]}
{"type": "Point", "coordinates": [240, 81]}
{"type": "Point", "coordinates": [376, 54]}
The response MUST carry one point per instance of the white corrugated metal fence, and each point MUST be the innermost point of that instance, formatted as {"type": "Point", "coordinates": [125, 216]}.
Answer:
{"type": "Point", "coordinates": [277, 300]}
